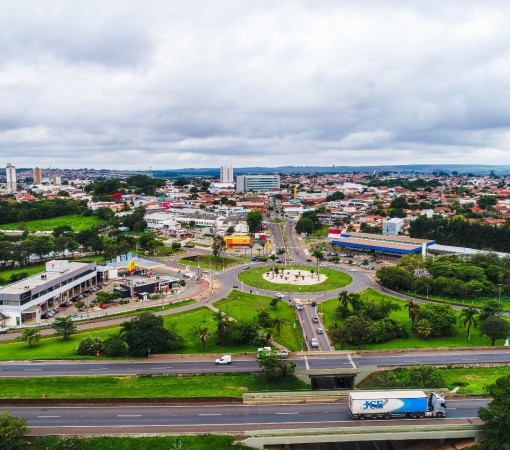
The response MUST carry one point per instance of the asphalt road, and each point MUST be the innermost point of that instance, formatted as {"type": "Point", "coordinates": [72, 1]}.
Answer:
{"type": "Point", "coordinates": [246, 364]}
{"type": "Point", "coordinates": [90, 420]}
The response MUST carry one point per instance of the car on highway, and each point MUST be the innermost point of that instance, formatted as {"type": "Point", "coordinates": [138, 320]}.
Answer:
{"type": "Point", "coordinates": [315, 320]}
{"type": "Point", "coordinates": [320, 330]}
{"type": "Point", "coordinates": [279, 295]}
{"type": "Point", "coordinates": [352, 270]}
{"type": "Point", "coordinates": [314, 343]}
{"type": "Point", "coordinates": [225, 359]}
{"type": "Point", "coordinates": [308, 260]}
{"type": "Point", "coordinates": [246, 267]}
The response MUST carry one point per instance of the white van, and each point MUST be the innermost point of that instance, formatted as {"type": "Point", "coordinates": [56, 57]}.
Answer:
{"type": "Point", "coordinates": [225, 359]}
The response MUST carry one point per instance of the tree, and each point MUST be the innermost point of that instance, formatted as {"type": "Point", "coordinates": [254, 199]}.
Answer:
{"type": "Point", "coordinates": [305, 226]}
{"type": "Point", "coordinates": [274, 303]}
{"type": "Point", "coordinates": [495, 328]}
{"type": "Point", "coordinates": [254, 221]}
{"type": "Point", "coordinates": [343, 298]}
{"type": "Point", "coordinates": [486, 201]}
{"type": "Point", "coordinates": [468, 318]}
{"type": "Point", "coordinates": [356, 302]}
{"type": "Point", "coordinates": [218, 245]}
{"type": "Point", "coordinates": [492, 308]}
{"type": "Point", "coordinates": [30, 335]}
{"type": "Point", "coordinates": [275, 366]}
{"type": "Point", "coordinates": [278, 324]}
{"type": "Point", "coordinates": [441, 317]}
{"type": "Point", "coordinates": [203, 333]}
{"type": "Point", "coordinates": [224, 328]}
{"type": "Point", "coordinates": [413, 310]}
{"type": "Point", "coordinates": [395, 278]}
{"type": "Point", "coordinates": [64, 326]}
{"type": "Point", "coordinates": [90, 346]}
{"type": "Point", "coordinates": [12, 431]}
{"type": "Point", "coordinates": [496, 416]}
{"type": "Point", "coordinates": [338, 335]}
{"type": "Point", "coordinates": [273, 258]}
{"type": "Point", "coordinates": [147, 334]}
{"type": "Point", "coordinates": [318, 255]}
{"type": "Point", "coordinates": [115, 345]}
{"type": "Point", "coordinates": [423, 328]}
{"type": "Point", "coordinates": [356, 330]}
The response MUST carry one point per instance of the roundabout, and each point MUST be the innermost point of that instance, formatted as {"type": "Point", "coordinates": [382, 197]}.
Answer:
{"type": "Point", "coordinates": [297, 278]}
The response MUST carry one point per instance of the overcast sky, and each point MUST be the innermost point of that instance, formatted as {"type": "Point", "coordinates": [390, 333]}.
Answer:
{"type": "Point", "coordinates": [172, 84]}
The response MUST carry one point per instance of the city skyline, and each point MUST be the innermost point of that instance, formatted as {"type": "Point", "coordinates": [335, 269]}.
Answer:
{"type": "Point", "coordinates": [290, 84]}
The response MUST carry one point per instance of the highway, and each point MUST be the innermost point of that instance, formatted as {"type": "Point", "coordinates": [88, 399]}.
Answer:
{"type": "Point", "coordinates": [9, 369]}
{"type": "Point", "coordinates": [231, 418]}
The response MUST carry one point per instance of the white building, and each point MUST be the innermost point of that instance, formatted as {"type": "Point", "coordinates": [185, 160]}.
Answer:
{"type": "Point", "coordinates": [10, 172]}
{"type": "Point", "coordinates": [226, 174]}
{"type": "Point", "coordinates": [392, 227]}
{"type": "Point", "coordinates": [256, 183]}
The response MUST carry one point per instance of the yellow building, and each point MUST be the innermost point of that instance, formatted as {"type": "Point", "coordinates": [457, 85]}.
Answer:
{"type": "Point", "coordinates": [237, 241]}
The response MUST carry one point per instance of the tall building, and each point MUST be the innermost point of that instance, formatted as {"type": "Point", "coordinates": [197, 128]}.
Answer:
{"type": "Point", "coordinates": [37, 175]}
{"type": "Point", "coordinates": [226, 174]}
{"type": "Point", "coordinates": [255, 183]}
{"type": "Point", "coordinates": [10, 172]}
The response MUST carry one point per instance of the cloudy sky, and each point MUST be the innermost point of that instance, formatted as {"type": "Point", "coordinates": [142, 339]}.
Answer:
{"type": "Point", "coordinates": [172, 84]}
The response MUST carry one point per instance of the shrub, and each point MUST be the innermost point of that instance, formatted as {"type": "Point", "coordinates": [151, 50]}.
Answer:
{"type": "Point", "coordinates": [115, 345]}
{"type": "Point", "coordinates": [90, 346]}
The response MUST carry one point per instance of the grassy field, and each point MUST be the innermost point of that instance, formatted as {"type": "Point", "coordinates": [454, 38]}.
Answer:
{"type": "Point", "coordinates": [221, 385]}
{"type": "Point", "coordinates": [209, 262]}
{"type": "Point", "coordinates": [469, 380]}
{"type": "Point", "coordinates": [79, 223]}
{"type": "Point", "coordinates": [459, 340]}
{"type": "Point", "coordinates": [335, 280]}
{"type": "Point", "coordinates": [200, 442]}
{"type": "Point", "coordinates": [38, 268]}
{"type": "Point", "coordinates": [244, 306]}
{"type": "Point", "coordinates": [57, 348]}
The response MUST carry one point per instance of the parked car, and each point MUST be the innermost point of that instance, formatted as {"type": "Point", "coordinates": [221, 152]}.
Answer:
{"type": "Point", "coordinates": [283, 353]}
{"type": "Point", "coordinates": [352, 270]}
{"type": "Point", "coordinates": [103, 306]}
{"type": "Point", "coordinates": [308, 260]}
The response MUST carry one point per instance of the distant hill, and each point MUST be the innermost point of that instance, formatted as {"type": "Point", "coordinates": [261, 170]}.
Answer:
{"type": "Point", "coordinates": [475, 169]}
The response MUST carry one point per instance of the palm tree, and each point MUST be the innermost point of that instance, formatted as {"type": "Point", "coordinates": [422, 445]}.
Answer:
{"type": "Point", "coordinates": [281, 252]}
{"type": "Point", "coordinates": [468, 317]}
{"type": "Point", "coordinates": [203, 334]}
{"type": "Point", "coordinates": [319, 255]}
{"type": "Point", "coordinates": [337, 223]}
{"type": "Point", "coordinates": [273, 257]}
{"type": "Point", "coordinates": [356, 302]}
{"type": "Point", "coordinates": [343, 298]}
{"type": "Point", "coordinates": [423, 328]}
{"type": "Point", "coordinates": [278, 324]}
{"type": "Point", "coordinates": [218, 245]}
{"type": "Point", "coordinates": [414, 311]}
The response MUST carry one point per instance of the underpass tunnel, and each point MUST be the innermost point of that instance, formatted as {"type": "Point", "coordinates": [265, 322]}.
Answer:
{"type": "Point", "coordinates": [324, 382]}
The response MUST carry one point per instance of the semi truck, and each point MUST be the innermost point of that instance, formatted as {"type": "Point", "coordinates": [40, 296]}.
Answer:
{"type": "Point", "coordinates": [385, 404]}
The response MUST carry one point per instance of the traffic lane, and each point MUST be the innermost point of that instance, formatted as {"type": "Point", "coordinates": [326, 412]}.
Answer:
{"type": "Point", "coordinates": [311, 314]}
{"type": "Point", "coordinates": [216, 415]}
{"type": "Point", "coordinates": [431, 359]}
{"type": "Point", "coordinates": [98, 369]}
{"type": "Point", "coordinates": [322, 337]}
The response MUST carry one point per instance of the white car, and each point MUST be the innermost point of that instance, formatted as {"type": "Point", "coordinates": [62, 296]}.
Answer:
{"type": "Point", "coordinates": [279, 295]}
{"type": "Point", "coordinates": [314, 343]}
{"type": "Point", "coordinates": [322, 265]}
{"type": "Point", "coordinates": [352, 270]}
{"type": "Point", "coordinates": [320, 331]}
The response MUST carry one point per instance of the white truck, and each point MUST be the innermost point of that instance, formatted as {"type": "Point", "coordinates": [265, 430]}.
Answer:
{"type": "Point", "coordinates": [225, 359]}
{"type": "Point", "coordinates": [386, 404]}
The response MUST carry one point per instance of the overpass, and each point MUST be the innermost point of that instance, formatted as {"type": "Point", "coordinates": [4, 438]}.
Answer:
{"type": "Point", "coordinates": [467, 428]}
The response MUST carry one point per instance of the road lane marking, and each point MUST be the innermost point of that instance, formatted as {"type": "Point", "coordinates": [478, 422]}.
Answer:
{"type": "Point", "coordinates": [161, 368]}
{"type": "Point", "coordinates": [306, 364]}
{"type": "Point", "coordinates": [27, 370]}
{"type": "Point", "coordinates": [129, 415]}
{"type": "Point", "coordinates": [102, 368]}
{"type": "Point", "coordinates": [48, 417]}
{"type": "Point", "coordinates": [470, 359]}
{"type": "Point", "coordinates": [287, 413]}
{"type": "Point", "coordinates": [211, 414]}
{"type": "Point", "coordinates": [349, 357]}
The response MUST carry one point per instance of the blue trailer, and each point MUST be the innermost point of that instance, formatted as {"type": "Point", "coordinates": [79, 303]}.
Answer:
{"type": "Point", "coordinates": [386, 404]}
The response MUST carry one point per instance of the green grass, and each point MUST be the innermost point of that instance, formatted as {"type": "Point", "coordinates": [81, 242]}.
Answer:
{"type": "Point", "coordinates": [209, 262]}
{"type": "Point", "coordinates": [244, 306]}
{"type": "Point", "coordinates": [459, 340]}
{"type": "Point", "coordinates": [469, 380]}
{"type": "Point", "coordinates": [200, 442]}
{"type": "Point", "coordinates": [335, 280]}
{"type": "Point", "coordinates": [148, 386]}
{"type": "Point", "coordinates": [38, 268]}
{"type": "Point", "coordinates": [79, 223]}
{"type": "Point", "coordinates": [322, 232]}
{"type": "Point", "coordinates": [57, 348]}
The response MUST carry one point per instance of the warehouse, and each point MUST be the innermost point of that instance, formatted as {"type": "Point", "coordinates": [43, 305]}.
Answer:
{"type": "Point", "coordinates": [395, 245]}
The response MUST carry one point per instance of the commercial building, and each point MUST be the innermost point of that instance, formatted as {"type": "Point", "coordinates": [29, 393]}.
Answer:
{"type": "Point", "coordinates": [10, 173]}
{"type": "Point", "coordinates": [237, 241]}
{"type": "Point", "coordinates": [392, 227]}
{"type": "Point", "coordinates": [256, 183]}
{"type": "Point", "coordinates": [396, 245]}
{"type": "Point", "coordinates": [25, 301]}
{"type": "Point", "coordinates": [226, 174]}
{"type": "Point", "coordinates": [37, 175]}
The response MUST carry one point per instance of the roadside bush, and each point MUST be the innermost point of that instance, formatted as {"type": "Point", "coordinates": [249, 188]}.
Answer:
{"type": "Point", "coordinates": [386, 330]}
{"type": "Point", "coordinates": [440, 317]}
{"type": "Point", "coordinates": [425, 377]}
{"type": "Point", "coordinates": [90, 346]}
{"type": "Point", "coordinates": [115, 345]}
